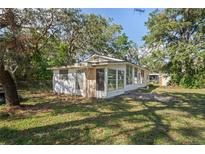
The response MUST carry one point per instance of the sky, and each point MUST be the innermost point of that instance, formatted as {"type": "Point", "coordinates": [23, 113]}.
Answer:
{"type": "Point", "coordinates": [132, 22]}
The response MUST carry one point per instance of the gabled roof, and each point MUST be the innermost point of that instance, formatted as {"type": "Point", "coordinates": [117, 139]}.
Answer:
{"type": "Point", "coordinates": [98, 58]}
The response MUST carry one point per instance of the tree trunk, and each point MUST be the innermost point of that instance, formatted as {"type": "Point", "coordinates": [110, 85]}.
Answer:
{"type": "Point", "coordinates": [9, 87]}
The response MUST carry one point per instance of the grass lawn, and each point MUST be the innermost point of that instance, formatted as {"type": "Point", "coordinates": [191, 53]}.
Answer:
{"type": "Point", "coordinates": [154, 116]}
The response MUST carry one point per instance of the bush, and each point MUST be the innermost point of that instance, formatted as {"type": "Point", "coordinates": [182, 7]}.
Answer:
{"type": "Point", "coordinates": [35, 85]}
{"type": "Point", "coordinates": [175, 79]}
{"type": "Point", "coordinates": [188, 81]}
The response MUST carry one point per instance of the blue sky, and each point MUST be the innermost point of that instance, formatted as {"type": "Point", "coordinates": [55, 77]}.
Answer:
{"type": "Point", "coordinates": [131, 21]}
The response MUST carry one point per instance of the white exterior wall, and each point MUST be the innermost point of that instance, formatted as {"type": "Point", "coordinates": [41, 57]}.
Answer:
{"type": "Point", "coordinates": [67, 86]}
{"type": "Point", "coordinates": [165, 80]}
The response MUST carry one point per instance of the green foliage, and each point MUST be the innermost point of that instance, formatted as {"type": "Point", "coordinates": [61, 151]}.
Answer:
{"type": "Point", "coordinates": [24, 35]}
{"type": "Point", "coordinates": [176, 37]}
{"type": "Point", "coordinates": [56, 37]}
{"type": "Point", "coordinates": [60, 56]}
{"type": "Point", "coordinates": [154, 61]}
{"type": "Point", "coordinates": [40, 68]}
{"type": "Point", "coordinates": [121, 45]}
{"type": "Point", "coordinates": [91, 34]}
{"type": "Point", "coordinates": [195, 81]}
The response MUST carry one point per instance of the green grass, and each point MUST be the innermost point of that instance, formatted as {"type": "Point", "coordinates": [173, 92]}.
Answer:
{"type": "Point", "coordinates": [155, 116]}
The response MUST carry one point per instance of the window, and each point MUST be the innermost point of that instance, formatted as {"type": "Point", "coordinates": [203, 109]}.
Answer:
{"type": "Point", "coordinates": [136, 72]}
{"type": "Point", "coordinates": [135, 75]}
{"type": "Point", "coordinates": [129, 75]}
{"type": "Point", "coordinates": [139, 77]}
{"type": "Point", "coordinates": [153, 78]}
{"type": "Point", "coordinates": [78, 80]}
{"type": "Point", "coordinates": [111, 79]}
{"type": "Point", "coordinates": [120, 79]}
{"type": "Point", "coordinates": [143, 75]}
{"type": "Point", "coordinates": [63, 74]}
{"type": "Point", "coordinates": [100, 77]}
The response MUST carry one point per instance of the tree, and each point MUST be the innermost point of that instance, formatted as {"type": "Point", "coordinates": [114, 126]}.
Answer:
{"type": "Point", "coordinates": [125, 49]}
{"type": "Point", "coordinates": [155, 61]}
{"type": "Point", "coordinates": [73, 36]}
{"type": "Point", "coordinates": [100, 35]}
{"type": "Point", "coordinates": [82, 35]}
{"type": "Point", "coordinates": [177, 40]}
{"type": "Point", "coordinates": [21, 33]}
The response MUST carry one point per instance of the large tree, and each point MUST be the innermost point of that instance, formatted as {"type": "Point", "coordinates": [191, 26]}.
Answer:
{"type": "Point", "coordinates": [177, 40]}
{"type": "Point", "coordinates": [83, 35]}
{"type": "Point", "coordinates": [21, 33]}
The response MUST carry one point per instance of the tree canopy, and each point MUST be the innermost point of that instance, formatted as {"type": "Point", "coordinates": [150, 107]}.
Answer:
{"type": "Point", "coordinates": [177, 41]}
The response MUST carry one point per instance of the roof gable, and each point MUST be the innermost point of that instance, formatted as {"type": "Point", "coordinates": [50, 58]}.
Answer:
{"type": "Point", "coordinates": [100, 58]}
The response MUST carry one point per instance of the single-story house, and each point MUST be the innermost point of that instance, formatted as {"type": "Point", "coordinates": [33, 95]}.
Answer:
{"type": "Point", "coordinates": [99, 76]}
{"type": "Point", "coordinates": [159, 78]}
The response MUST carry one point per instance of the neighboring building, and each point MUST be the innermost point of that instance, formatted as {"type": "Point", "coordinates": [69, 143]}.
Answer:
{"type": "Point", "coordinates": [161, 79]}
{"type": "Point", "coordinates": [154, 78]}
{"type": "Point", "coordinates": [100, 77]}
{"type": "Point", "coordinates": [164, 80]}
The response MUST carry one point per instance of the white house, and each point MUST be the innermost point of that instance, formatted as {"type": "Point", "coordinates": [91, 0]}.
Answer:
{"type": "Point", "coordinates": [161, 79]}
{"type": "Point", "coordinates": [100, 77]}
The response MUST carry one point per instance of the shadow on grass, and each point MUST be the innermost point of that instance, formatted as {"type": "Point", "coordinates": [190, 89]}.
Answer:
{"type": "Point", "coordinates": [90, 105]}
{"type": "Point", "coordinates": [145, 90]}
{"type": "Point", "coordinates": [80, 131]}
{"type": "Point", "coordinates": [66, 133]}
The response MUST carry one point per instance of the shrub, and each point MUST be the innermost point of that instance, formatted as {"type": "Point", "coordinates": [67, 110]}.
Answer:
{"type": "Point", "coordinates": [188, 81]}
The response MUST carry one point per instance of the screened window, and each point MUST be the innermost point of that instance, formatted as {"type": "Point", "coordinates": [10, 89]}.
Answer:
{"type": "Point", "coordinates": [135, 75]}
{"type": "Point", "coordinates": [139, 77]}
{"type": "Point", "coordinates": [129, 74]}
{"type": "Point", "coordinates": [111, 79]}
{"type": "Point", "coordinates": [136, 72]}
{"type": "Point", "coordinates": [100, 77]}
{"type": "Point", "coordinates": [63, 74]}
{"type": "Point", "coordinates": [79, 80]}
{"type": "Point", "coordinates": [120, 79]}
{"type": "Point", "coordinates": [148, 77]}
{"type": "Point", "coordinates": [143, 75]}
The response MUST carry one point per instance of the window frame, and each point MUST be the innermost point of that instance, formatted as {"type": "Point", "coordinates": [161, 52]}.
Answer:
{"type": "Point", "coordinates": [63, 75]}
{"type": "Point", "coordinates": [136, 72]}
{"type": "Point", "coordinates": [129, 74]}
{"type": "Point", "coordinates": [143, 76]}
{"type": "Point", "coordinates": [136, 75]}
{"type": "Point", "coordinates": [113, 80]}
{"type": "Point", "coordinates": [100, 87]}
{"type": "Point", "coordinates": [120, 73]}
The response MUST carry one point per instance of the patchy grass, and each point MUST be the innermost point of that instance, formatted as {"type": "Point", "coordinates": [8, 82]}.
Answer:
{"type": "Point", "coordinates": [155, 116]}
